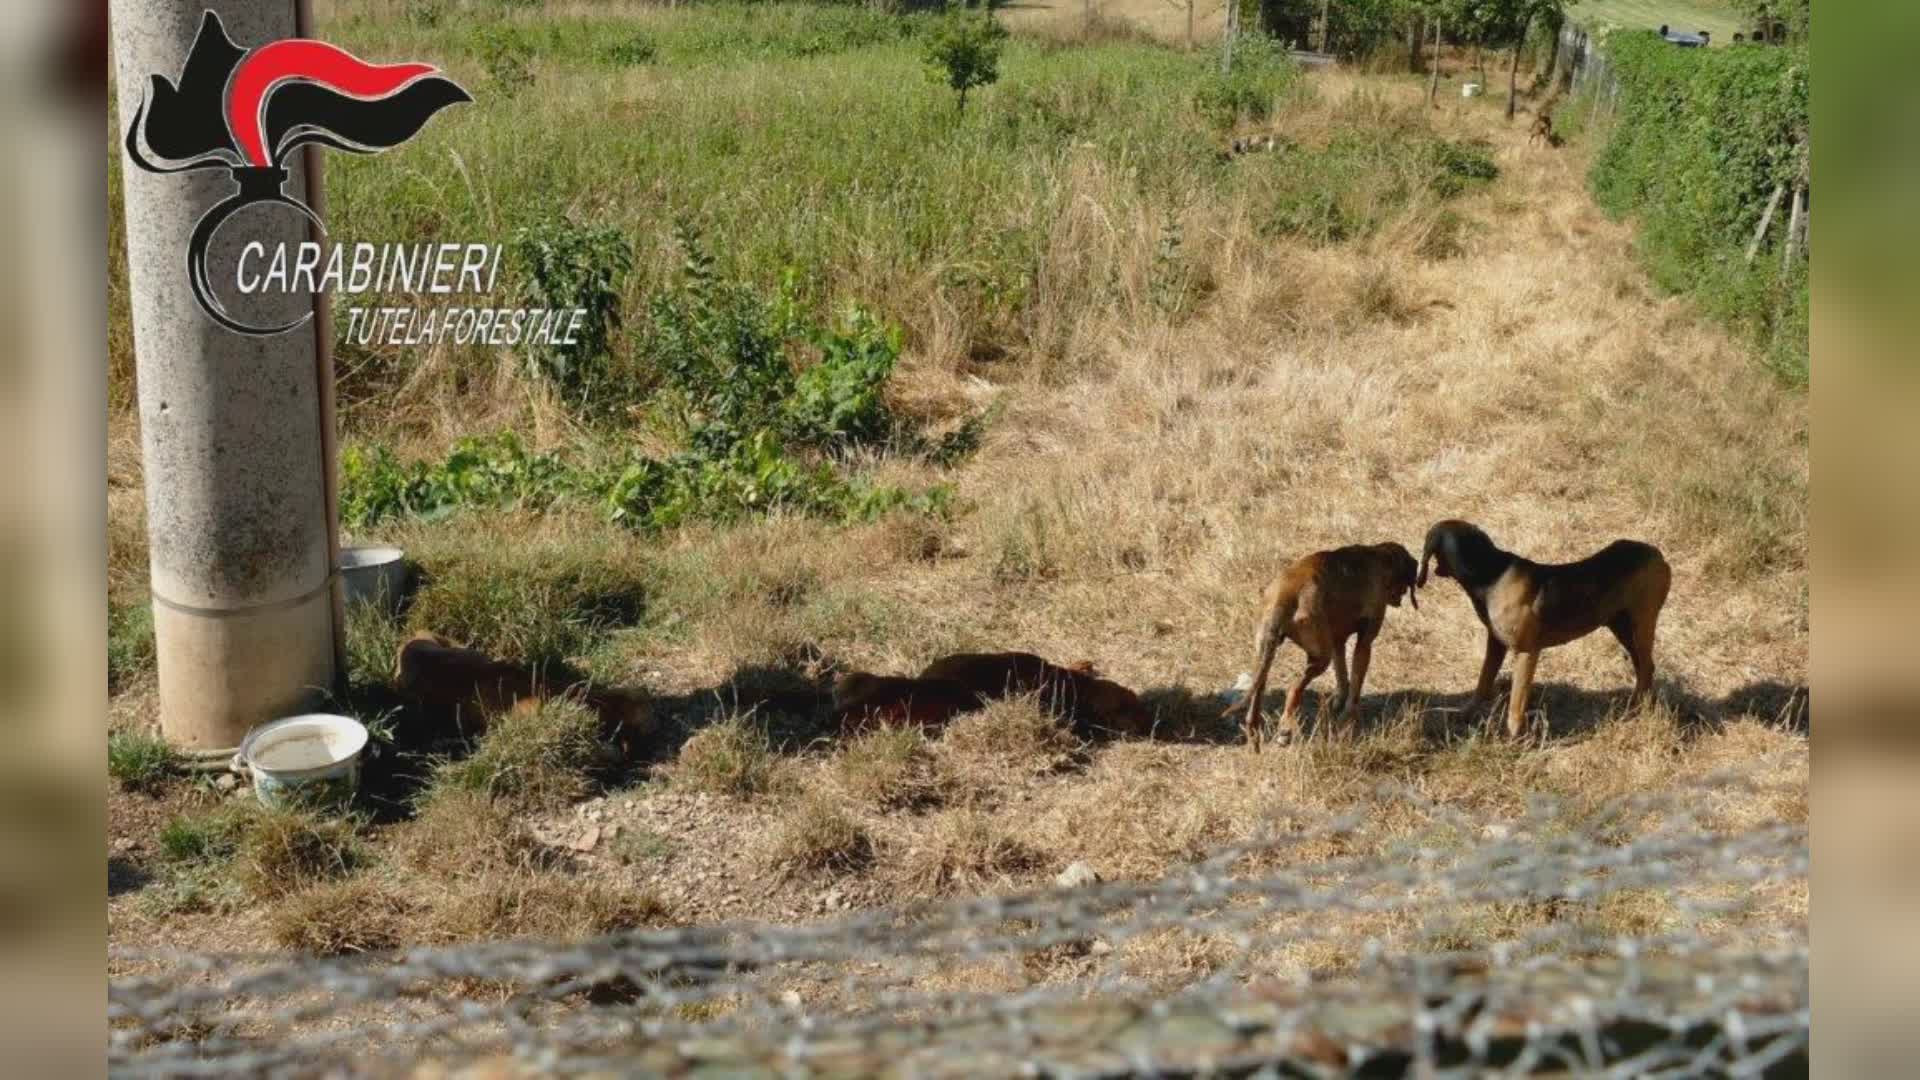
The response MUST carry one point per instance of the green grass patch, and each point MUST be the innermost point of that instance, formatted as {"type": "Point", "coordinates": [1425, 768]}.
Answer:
{"type": "Point", "coordinates": [1362, 177]}
{"type": "Point", "coordinates": [130, 651]}
{"type": "Point", "coordinates": [534, 597]}
{"type": "Point", "coordinates": [140, 760]}
{"type": "Point", "coordinates": [202, 838]}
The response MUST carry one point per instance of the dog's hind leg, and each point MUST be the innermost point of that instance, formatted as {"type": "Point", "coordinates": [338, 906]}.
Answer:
{"type": "Point", "coordinates": [1636, 636]}
{"type": "Point", "coordinates": [1523, 663]}
{"type": "Point", "coordinates": [1290, 719]}
{"type": "Point", "coordinates": [1340, 671]}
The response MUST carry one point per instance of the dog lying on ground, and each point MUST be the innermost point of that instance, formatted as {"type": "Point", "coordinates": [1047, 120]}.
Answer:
{"type": "Point", "coordinates": [435, 672]}
{"type": "Point", "coordinates": [1528, 606]}
{"type": "Point", "coordinates": [1318, 603]}
{"type": "Point", "coordinates": [1091, 703]}
{"type": "Point", "coordinates": [862, 702]}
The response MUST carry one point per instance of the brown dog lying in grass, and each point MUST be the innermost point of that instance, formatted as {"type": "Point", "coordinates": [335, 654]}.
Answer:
{"type": "Point", "coordinates": [1077, 692]}
{"type": "Point", "coordinates": [862, 702]}
{"type": "Point", "coordinates": [434, 671]}
{"type": "Point", "coordinates": [1528, 606]}
{"type": "Point", "coordinates": [438, 673]}
{"type": "Point", "coordinates": [1318, 603]}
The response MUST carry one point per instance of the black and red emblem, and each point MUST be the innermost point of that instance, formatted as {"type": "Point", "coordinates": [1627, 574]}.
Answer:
{"type": "Point", "coordinates": [246, 110]}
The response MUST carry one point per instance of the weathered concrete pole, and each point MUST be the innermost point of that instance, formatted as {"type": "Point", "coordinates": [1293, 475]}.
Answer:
{"type": "Point", "coordinates": [237, 521]}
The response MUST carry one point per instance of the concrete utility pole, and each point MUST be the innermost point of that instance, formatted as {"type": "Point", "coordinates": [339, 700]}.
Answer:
{"type": "Point", "coordinates": [232, 434]}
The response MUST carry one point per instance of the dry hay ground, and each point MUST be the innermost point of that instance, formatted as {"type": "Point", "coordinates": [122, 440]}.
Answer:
{"type": "Point", "coordinates": [1513, 367]}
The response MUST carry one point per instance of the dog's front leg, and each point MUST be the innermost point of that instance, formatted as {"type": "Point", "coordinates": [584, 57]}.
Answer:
{"type": "Point", "coordinates": [1340, 672]}
{"type": "Point", "coordinates": [1522, 682]}
{"type": "Point", "coordinates": [1489, 670]}
{"type": "Point", "coordinates": [1362, 656]}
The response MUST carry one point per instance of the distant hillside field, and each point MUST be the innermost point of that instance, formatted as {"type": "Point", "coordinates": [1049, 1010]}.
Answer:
{"type": "Point", "coordinates": [1691, 15]}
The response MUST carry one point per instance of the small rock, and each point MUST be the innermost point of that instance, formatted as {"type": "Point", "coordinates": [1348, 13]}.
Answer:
{"type": "Point", "coordinates": [628, 805]}
{"type": "Point", "coordinates": [226, 781]}
{"type": "Point", "coordinates": [612, 831]}
{"type": "Point", "coordinates": [1100, 947]}
{"type": "Point", "coordinates": [586, 840]}
{"type": "Point", "coordinates": [1076, 875]}
{"type": "Point", "coordinates": [791, 999]}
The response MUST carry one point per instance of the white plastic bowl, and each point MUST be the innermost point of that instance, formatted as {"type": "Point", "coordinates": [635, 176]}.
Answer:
{"type": "Point", "coordinates": [308, 760]}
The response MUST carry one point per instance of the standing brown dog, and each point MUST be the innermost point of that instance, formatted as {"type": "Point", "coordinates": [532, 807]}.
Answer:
{"type": "Point", "coordinates": [1542, 129]}
{"type": "Point", "coordinates": [1318, 603]}
{"type": "Point", "coordinates": [1528, 606]}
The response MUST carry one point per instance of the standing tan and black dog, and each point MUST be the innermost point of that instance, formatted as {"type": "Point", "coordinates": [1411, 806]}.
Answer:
{"type": "Point", "coordinates": [1318, 603]}
{"type": "Point", "coordinates": [1528, 606]}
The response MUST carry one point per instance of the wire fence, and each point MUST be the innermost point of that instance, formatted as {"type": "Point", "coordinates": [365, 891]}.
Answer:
{"type": "Point", "coordinates": [1473, 945]}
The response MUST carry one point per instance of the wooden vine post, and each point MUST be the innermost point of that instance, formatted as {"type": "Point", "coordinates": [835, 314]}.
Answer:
{"type": "Point", "coordinates": [1233, 31]}
{"type": "Point", "coordinates": [1433, 85]}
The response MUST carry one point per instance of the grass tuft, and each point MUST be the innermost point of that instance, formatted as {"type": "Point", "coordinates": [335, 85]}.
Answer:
{"type": "Point", "coordinates": [540, 755]}
{"type": "Point", "coordinates": [730, 757]}
{"type": "Point", "coordinates": [818, 835]}
{"type": "Point", "coordinates": [965, 851]}
{"type": "Point", "coordinates": [889, 768]}
{"type": "Point", "coordinates": [140, 760]}
{"type": "Point", "coordinates": [337, 918]}
{"type": "Point", "coordinates": [284, 851]}
{"type": "Point", "coordinates": [465, 834]}
{"type": "Point", "coordinates": [1007, 741]}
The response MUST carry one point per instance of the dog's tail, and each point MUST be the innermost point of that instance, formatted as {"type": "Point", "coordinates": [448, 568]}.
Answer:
{"type": "Point", "coordinates": [1273, 631]}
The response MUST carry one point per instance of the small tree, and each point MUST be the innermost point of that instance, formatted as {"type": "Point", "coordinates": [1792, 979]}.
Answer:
{"type": "Point", "coordinates": [964, 51]}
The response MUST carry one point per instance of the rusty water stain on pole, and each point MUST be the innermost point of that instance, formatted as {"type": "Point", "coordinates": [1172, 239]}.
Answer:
{"type": "Point", "coordinates": [231, 426]}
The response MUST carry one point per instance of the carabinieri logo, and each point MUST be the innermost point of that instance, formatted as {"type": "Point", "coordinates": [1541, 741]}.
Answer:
{"type": "Point", "coordinates": [246, 110]}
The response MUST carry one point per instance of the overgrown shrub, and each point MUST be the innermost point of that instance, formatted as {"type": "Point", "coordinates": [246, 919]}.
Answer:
{"type": "Point", "coordinates": [963, 51]}
{"type": "Point", "coordinates": [1700, 140]}
{"type": "Point", "coordinates": [1260, 73]}
{"type": "Point", "coordinates": [507, 56]}
{"type": "Point", "coordinates": [570, 266]}
{"type": "Point", "coordinates": [490, 471]}
{"type": "Point", "coordinates": [763, 398]}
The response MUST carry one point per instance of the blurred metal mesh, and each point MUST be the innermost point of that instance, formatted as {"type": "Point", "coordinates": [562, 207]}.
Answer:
{"type": "Point", "coordinates": [1471, 946]}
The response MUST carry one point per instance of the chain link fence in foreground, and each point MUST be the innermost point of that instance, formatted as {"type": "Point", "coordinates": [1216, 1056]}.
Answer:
{"type": "Point", "coordinates": [1473, 945]}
